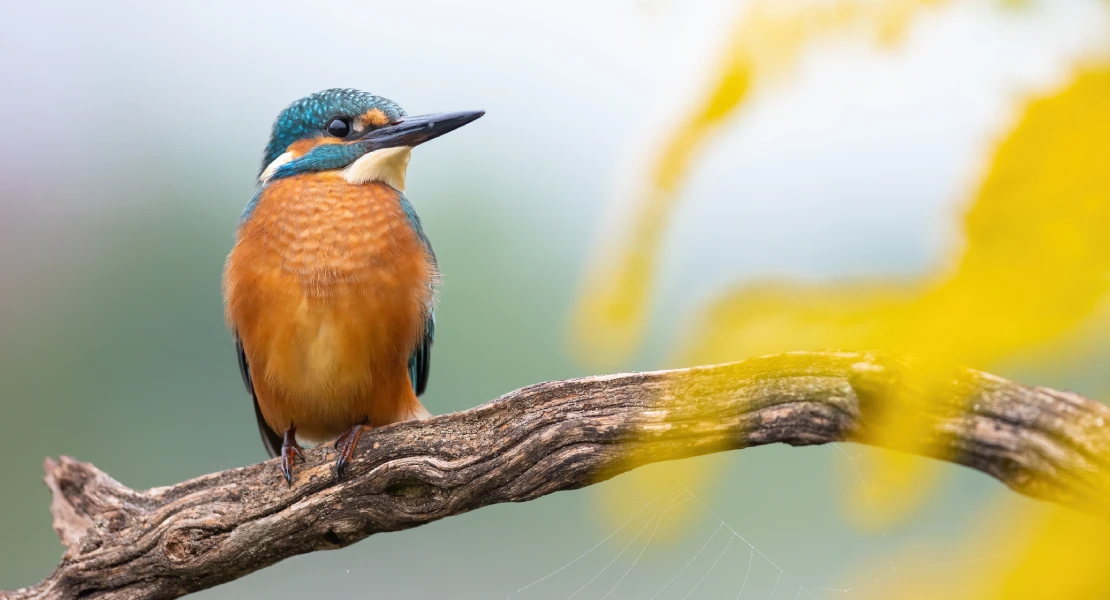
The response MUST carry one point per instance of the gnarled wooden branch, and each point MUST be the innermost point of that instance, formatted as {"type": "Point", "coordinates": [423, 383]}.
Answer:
{"type": "Point", "coordinates": [166, 542]}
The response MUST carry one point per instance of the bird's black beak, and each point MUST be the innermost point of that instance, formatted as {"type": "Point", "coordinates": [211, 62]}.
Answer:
{"type": "Point", "coordinates": [413, 131]}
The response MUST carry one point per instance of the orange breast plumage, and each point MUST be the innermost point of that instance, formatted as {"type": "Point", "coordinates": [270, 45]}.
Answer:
{"type": "Point", "coordinates": [328, 288]}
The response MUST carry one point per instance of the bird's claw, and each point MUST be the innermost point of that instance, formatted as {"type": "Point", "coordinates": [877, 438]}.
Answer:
{"type": "Point", "coordinates": [289, 451]}
{"type": "Point", "coordinates": [345, 446]}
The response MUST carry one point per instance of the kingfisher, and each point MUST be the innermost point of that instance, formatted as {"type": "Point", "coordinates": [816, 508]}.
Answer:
{"type": "Point", "coordinates": [329, 290]}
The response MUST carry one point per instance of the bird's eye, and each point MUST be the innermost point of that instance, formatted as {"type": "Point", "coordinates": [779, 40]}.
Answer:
{"type": "Point", "coordinates": [339, 127]}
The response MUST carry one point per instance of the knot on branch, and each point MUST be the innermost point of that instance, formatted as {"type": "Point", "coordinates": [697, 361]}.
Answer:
{"type": "Point", "coordinates": [901, 392]}
{"type": "Point", "coordinates": [189, 543]}
{"type": "Point", "coordinates": [409, 488]}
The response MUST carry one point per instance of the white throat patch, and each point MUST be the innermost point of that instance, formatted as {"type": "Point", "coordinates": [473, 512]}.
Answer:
{"type": "Point", "coordinates": [268, 172]}
{"type": "Point", "coordinates": [388, 165]}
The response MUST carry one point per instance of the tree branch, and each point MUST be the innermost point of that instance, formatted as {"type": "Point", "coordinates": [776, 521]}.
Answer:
{"type": "Point", "coordinates": [169, 541]}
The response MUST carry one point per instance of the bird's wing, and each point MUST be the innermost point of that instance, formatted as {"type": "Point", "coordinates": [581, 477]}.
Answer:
{"type": "Point", "coordinates": [420, 363]}
{"type": "Point", "coordinates": [271, 440]}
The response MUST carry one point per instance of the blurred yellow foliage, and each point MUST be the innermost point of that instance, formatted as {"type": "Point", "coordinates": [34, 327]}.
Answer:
{"type": "Point", "coordinates": [1030, 553]}
{"type": "Point", "coordinates": [1035, 269]}
{"type": "Point", "coordinates": [768, 39]}
{"type": "Point", "coordinates": [1063, 555]}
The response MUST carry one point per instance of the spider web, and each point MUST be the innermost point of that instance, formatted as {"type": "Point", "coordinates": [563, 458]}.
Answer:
{"type": "Point", "coordinates": [729, 547]}
{"type": "Point", "coordinates": [719, 562]}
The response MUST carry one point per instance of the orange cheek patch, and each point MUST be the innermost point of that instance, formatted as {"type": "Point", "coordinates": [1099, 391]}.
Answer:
{"type": "Point", "coordinates": [301, 147]}
{"type": "Point", "coordinates": [374, 118]}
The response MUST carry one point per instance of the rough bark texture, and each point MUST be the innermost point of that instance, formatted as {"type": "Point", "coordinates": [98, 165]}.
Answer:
{"type": "Point", "coordinates": [166, 542]}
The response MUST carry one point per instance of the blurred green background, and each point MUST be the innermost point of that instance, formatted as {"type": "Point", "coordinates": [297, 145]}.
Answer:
{"type": "Point", "coordinates": [132, 135]}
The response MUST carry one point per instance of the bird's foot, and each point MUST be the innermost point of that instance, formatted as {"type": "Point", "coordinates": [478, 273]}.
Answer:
{"type": "Point", "coordinates": [290, 449]}
{"type": "Point", "coordinates": [345, 445]}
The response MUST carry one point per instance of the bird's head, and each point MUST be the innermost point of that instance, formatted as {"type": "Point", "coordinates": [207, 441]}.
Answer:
{"type": "Point", "coordinates": [362, 136]}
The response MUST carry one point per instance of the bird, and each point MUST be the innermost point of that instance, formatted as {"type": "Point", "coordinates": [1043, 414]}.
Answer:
{"type": "Point", "coordinates": [329, 288]}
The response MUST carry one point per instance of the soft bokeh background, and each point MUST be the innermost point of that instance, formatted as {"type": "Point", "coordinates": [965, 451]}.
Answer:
{"type": "Point", "coordinates": [132, 134]}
